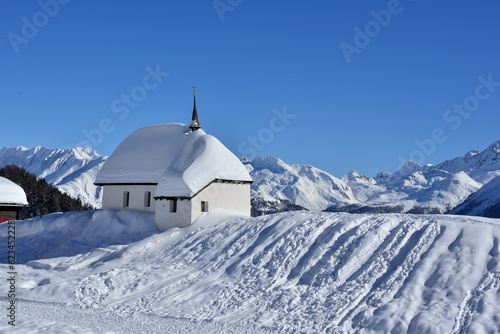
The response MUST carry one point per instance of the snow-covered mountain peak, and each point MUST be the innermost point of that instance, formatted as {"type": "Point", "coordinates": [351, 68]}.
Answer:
{"type": "Point", "coordinates": [471, 153]}
{"type": "Point", "coordinates": [270, 162]}
{"type": "Point", "coordinates": [382, 177]}
{"type": "Point", "coordinates": [354, 176]}
{"type": "Point", "coordinates": [303, 185]}
{"type": "Point", "coordinates": [494, 147]}
{"type": "Point", "coordinates": [481, 166]}
{"type": "Point", "coordinates": [409, 167]}
{"type": "Point", "coordinates": [86, 151]}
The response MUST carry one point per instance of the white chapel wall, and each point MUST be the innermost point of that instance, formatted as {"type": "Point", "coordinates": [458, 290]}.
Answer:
{"type": "Point", "coordinates": [229, 196]}
{"type": "Point", "coordinates": [165, 218]}
{"type": "Point", "coordinates": [112, 197]}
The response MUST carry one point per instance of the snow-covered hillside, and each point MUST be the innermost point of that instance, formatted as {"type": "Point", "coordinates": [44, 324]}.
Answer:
{"type": "Point", "coordinates": [72, 170]}
{"type": "Point", "coordinates": [303, 272]}
{"type": "Point", "coordinates": [485, 202]}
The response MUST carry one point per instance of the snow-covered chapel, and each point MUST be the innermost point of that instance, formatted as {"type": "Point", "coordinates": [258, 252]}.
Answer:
{"type": "Point", "coordinates": [175, 171]}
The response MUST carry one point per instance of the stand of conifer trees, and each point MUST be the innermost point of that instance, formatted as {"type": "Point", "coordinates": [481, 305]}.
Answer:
{"type": "Point", "coordinates": [42, 197]}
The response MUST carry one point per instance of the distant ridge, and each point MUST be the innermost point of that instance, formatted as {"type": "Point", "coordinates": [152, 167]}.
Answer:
{"type": "Point", "coordinates": [72, 170]}
{"type": "Point", "coordinates": [485, 202]}
{"type": "Point", "coordinates": [279, 186]}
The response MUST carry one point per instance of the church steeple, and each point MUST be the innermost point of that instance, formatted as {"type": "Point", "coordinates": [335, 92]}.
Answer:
{"type": "Point", "coordinates": [195, 124]}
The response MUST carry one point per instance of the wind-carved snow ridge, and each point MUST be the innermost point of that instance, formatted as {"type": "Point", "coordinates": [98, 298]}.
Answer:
{"type": "Point", "coordinates": [305, 272]}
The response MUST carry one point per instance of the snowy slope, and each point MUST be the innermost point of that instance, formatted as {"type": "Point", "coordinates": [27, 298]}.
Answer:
{"type": "Point", "coordinates": [485, 202]}
{"type": "Point", "coordinates": [302, 185]}
{"type": "Point", "coordinates": [72, 170]}
{"type": "Point", "coordinates": [304, 272]}
{"type": "Point", "coordinates": [363, 187]}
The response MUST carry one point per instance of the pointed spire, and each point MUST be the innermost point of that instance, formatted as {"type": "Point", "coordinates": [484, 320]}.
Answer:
{"type": "Point", "coordinates": [195, 124]}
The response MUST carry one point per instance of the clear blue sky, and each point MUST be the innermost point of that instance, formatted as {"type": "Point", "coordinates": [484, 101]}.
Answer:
{"type": "Point", "coordinates": [73, 72]}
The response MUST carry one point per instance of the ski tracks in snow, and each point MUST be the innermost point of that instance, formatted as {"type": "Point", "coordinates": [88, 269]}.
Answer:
{"type": "Point", "coordinates": [489, 284]}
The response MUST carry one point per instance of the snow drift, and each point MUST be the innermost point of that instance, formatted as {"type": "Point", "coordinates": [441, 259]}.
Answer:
{"type": "Point", "coordinates": [301, 271]}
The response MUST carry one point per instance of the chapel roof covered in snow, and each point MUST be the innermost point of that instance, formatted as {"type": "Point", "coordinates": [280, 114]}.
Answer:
{"type": "Point", "coordinates": [11, 194]}
{"type": "Point", "coordinates": [179, 160]}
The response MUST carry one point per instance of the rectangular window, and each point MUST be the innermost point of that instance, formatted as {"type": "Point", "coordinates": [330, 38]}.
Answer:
{"type": "Point", "coordinates": [204, 206]}
{"type": "Point", "coordinates": [126, 199]}
{"type": "Point", "coordinates": [173, 205]}
{"type": "Point", "coordinates": [147, 199]}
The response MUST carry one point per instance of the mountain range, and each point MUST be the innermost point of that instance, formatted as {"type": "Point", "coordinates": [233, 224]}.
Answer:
{"type": "Point", "coordinates": [412, 189]}
{"type": "Point", "coordinates": [72, 170]}
{"type": "Point", "coordinates": [460, 185]}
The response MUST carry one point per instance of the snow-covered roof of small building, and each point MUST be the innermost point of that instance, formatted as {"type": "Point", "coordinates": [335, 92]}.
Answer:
{"type": "Point", "coordinates": [181, 162]}
{"type": "Point", "coordinates": [11, 193]}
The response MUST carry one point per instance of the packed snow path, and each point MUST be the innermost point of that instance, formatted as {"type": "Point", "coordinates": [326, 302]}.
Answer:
{"type": "Point", "coordinates": [300, 271]}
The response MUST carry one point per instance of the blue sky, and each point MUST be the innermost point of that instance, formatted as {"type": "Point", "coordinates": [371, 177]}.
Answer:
{"type": "Point", "coordinates": [338, 85]}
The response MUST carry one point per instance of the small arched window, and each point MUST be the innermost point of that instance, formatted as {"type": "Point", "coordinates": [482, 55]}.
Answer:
{"type": "Point", "coordinates": [126, 199]}
{"type": "Point", "coordinates": [147, 199]}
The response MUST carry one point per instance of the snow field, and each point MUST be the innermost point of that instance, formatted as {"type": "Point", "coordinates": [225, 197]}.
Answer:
{"type": "Point", "coordinates": [289, 272]}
